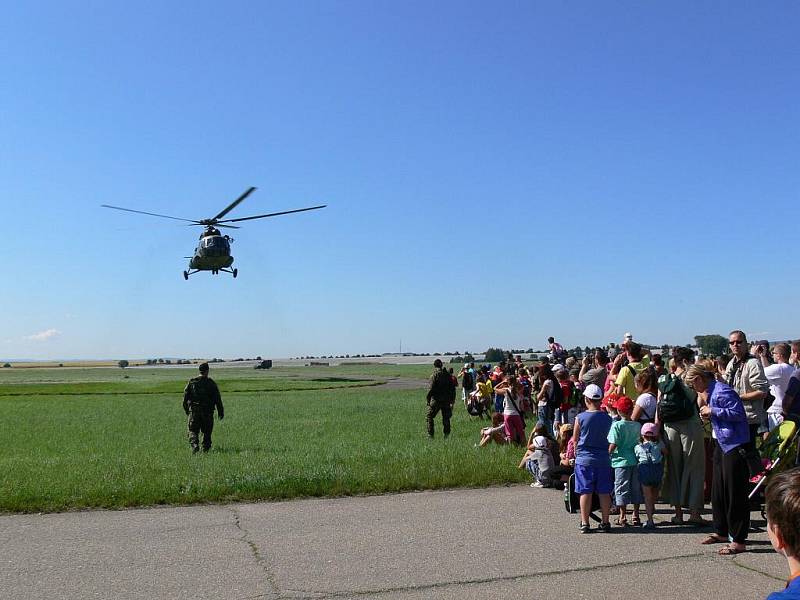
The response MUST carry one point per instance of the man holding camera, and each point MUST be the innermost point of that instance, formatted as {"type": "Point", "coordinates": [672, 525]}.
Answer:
{"type": "Point", "coordinates": [746, 375]}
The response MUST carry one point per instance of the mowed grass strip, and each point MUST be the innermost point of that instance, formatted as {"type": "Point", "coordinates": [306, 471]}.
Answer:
{"type": "Point", "coordinates": [113, 451]}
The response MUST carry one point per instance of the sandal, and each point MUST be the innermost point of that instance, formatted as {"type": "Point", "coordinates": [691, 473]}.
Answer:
{"type": "Point", "coordinates": [698, 522]}
{"type": "Point", "coordinates": [676, 521]}
{"type": "Point", "coordinates": [636, 522]}
{"type": "Point", "coordinates": [713, 538]}
{"type": "Point", "coordinates": [730, 550]}
{"type": "Point", "coordinates": [621, 521]}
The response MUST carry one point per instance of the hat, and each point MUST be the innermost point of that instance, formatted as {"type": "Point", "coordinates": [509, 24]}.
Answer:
{"type": "Point", "coordinates": [649, 429]}
{"type": "Point", "coordinates": [624, 404]}
{"type": "Point", "coordinates": [540, 442]}
{"type": "Point", "coordinates": [558, 367]}
{"type": "Point", "coordinates": [593, 392]}
{"type": "Point", "coordinates": [628, 336]}
{"type": "Point", "coordinates": [609, 401]}
{"type": "Point", "coordinates": [466, 365]}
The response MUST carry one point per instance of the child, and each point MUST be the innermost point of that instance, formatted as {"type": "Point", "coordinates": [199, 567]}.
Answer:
{"type": "Point", "coordinates": [592, 461]}
{"type": "Point", "coordinates": [645, 409]}
{"type": "Point", "coordinates": [495, 433]}
{"type": "Point", "coordinates": [783, 526]}
{"type": "Point", "coordinates": [538, 459]}
{"type": "Point", "coordinates": [566, 393]}
{"type": "Point", "coordinates": [651, 469]}
{"type": "Point", "coordinates": [622, 439]}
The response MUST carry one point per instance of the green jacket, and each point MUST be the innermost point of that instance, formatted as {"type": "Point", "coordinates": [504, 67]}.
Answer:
{"type": "Point", "coordinates": [441, 387]}
{"type": "Point", "coordinates": [202, 395]}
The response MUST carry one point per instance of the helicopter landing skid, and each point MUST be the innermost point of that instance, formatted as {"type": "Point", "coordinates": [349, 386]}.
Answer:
{"type": "Point", "coordinates": [233, 272]}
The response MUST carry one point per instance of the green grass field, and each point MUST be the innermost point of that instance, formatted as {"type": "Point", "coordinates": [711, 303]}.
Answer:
{"type": "Point", "coordinates": [80, 438]}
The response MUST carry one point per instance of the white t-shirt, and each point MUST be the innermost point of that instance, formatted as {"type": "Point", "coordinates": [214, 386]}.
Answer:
{"type": "Point", "coordinates": [508, 408]}
{"type": "Point", "coordinates": [778, 376]}
{"type": "Point", "coordinates": [647, 402]}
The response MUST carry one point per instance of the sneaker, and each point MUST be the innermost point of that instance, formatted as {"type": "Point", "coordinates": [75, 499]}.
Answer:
{"type": "Point", "coordinates": [536, 484]}
{"type": "Point", "coordinates": [605, 527]}
{"type": "Point", "coordinates": [649, 525]}
{"type": "Point", "coordinates": [585, 528]}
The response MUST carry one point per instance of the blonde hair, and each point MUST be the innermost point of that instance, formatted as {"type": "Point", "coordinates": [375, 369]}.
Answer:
{"type": "Point", "coordinates": [703, 368]}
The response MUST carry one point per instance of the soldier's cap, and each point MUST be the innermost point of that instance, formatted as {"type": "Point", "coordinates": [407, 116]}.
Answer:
{"type": "Point", "coordinates": [203, 368]}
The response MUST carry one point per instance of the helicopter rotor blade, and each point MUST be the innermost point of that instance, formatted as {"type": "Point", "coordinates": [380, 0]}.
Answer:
{"type": "Point", "coordinates": [141, 212]}
{"type": "Point", "coordinates": [233, 204]}
{"type": "Point", "coordinates": [214, 225]}
{"type": "Point", "coordinates": [285, 212]}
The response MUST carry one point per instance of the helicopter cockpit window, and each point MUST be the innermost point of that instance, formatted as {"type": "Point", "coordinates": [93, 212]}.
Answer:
{"type": "Point", "coordinates": [214, 242]}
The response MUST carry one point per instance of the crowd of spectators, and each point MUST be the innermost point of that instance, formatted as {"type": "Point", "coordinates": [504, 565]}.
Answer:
{"type": "Point", "coordinates": [635, 426]}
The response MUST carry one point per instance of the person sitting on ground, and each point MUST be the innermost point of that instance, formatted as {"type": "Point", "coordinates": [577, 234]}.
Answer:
{"type": "Point", "coordinates": [651, 469]}
{"type": "Point", "coordinates": [592, 461]}
{"type": "Point", "coordinates": [783, 527]}
{"type": "Point", "coordinates": [644, 411]}
{"type": "Point", "coordinates": [623, 438]}
{"type": "Point", "coordinates": [538, 458]}
{"type": "Point", "coordinates": [496, 433]}
{"type": "Point", "coordinates": [566, 463]}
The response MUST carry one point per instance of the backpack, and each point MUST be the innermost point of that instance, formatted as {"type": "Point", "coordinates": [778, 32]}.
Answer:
{"type": "Point", "coordinates": [557, 397]}
{"type": "Point", "coordinates": [575, 397]}
{"type": "Point", "coordinates": [466, 381]}
{"type": "Point", "coordinates": [675, 404]}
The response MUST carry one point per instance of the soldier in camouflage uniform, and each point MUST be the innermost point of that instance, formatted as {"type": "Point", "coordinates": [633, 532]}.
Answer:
{"type": "Point", "coordinates": [441, 397]}
{"type": "Point", "coordinates": [200, 398]}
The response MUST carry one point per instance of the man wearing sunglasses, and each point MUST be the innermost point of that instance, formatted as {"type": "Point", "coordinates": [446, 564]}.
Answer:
{"type": "Point", "coordinates": [746, 375]}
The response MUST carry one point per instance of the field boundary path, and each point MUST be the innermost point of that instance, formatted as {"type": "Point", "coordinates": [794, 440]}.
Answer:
{"type": "Point", "coordinates": [498, 542]}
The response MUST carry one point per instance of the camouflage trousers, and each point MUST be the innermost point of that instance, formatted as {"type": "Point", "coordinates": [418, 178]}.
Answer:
{"type": "Point", "coordinates": [434, 406]}
{"type": "Point", "coordinates": [200, 421]}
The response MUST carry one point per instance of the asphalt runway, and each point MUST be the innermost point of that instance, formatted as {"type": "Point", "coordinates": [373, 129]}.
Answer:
{"type": "Point", "coordinates": [498, 542]}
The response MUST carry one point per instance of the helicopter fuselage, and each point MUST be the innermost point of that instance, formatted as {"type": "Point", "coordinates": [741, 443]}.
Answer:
{"type": "Point", "coordinates": [212, 253]}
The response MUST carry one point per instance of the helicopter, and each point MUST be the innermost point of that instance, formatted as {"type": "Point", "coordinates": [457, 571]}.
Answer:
{"type": "Point", "coordinates": [213, 252]}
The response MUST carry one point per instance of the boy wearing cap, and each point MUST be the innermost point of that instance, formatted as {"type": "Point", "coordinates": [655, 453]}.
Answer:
{"type": "Point", "coordinates": [622, 439]}
{"type": "Point", "coordinates": [592, 461]}
{"type": "Point", "coordinates": [783, 527]}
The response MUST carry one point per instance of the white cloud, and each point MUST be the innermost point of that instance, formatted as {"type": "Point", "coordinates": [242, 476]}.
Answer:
{"type": "Point", "coordinates": [43, 336]}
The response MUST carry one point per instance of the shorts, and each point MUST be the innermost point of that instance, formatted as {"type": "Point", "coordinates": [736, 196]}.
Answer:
{"type": "Point", "coordinates": [650, 474]}
{"type": "Point", "coordinates": [626, 486]}
{"type": "Point", "coordinates": [590, 479]}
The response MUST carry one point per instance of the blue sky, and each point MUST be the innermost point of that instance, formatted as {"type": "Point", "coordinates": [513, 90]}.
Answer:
{"type": "Point", "coordinates": [494, 174]}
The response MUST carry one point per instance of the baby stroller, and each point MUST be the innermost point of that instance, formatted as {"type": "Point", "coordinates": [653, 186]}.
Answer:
{"type": "Point", "coordinates": [775, 451]}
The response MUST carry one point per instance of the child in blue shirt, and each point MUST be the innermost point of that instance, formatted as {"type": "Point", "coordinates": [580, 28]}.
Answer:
{"type": "Point", "coordinates": [592, 462]}
{"type": "Point", "coordinates": [783, 526]}
{"type": "Point", "coordinates": [651, 469]}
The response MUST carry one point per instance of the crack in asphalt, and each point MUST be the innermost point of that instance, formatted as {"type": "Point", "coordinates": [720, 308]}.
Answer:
{"type": "Point", "coordinates": [260, 560]}
{"type": "Point", "coordinates": [754, 570]}
{"type": "Point", "coordinates": [322, 595]}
